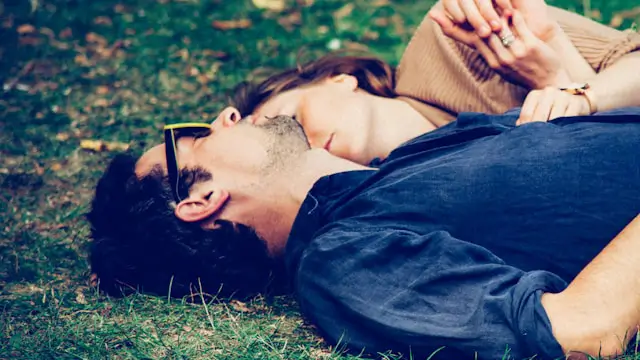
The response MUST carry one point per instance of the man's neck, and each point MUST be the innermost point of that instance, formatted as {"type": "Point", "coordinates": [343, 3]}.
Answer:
{"type": "Point", "coordinates": [313, 165]}
{"type": "Point", "coordinates": [290, 188]}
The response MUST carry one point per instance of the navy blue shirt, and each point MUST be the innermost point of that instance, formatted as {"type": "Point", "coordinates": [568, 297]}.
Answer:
{"type": "Point", "coordinates": [450, 244]}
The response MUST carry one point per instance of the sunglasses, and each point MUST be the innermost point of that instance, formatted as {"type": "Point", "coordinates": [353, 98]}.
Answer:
{"type": "Point", "coordinates": [171, 135]}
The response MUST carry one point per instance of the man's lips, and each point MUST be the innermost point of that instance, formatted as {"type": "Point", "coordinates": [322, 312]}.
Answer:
{"type": "Point", "coordinates": [327, 145]}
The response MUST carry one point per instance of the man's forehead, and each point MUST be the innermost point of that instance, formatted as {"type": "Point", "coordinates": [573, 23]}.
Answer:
{"type": "Point", "coordinates": [152, 158]}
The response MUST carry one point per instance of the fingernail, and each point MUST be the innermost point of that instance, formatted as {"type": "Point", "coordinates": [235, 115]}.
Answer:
{"type": "Point", "coordinates": [495, 24]}
{"type": "Point", "coordinates": [484, 30]}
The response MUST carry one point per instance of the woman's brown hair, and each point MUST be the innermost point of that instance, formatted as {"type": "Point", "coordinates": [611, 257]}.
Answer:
{"type": "Point", "coordinates": [374, 76]}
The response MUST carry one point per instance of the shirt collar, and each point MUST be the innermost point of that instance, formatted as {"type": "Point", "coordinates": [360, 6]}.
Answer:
{"type": "Point", "coordinates": [325, 195]}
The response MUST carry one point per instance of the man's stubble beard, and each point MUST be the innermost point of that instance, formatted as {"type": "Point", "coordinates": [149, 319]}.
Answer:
{"type": "Point", "coordinates": [287, 143]}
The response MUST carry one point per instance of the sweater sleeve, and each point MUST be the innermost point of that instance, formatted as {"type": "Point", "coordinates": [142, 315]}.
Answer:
{"type": "Point", "coordinates": [442, 78]}
{"type": "Point", "coordinates": [599, 44]}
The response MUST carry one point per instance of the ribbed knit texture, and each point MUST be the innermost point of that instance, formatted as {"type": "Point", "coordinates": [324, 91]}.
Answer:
{"type": "Point", "coordinates": [441, 78]}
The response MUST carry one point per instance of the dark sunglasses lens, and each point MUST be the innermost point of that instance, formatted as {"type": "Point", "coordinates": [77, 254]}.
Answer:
{"type": "Point", "coordinates": [188, 132]}
{"type": "Point", "coordinates": [172, 164]}
{"type": "Point", "coordinates": [171, 137]}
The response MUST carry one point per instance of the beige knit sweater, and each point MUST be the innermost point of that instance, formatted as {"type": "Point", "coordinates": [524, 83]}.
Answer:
{"type": "Point", "coordinates": [441, 78]}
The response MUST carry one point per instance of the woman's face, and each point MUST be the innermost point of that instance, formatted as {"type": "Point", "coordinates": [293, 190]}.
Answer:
{"type": "Point", "coordinates": [335, 115]}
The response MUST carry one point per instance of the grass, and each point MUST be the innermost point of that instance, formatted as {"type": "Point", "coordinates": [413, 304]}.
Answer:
{"type": "Point", "coordinates": [102, 70]}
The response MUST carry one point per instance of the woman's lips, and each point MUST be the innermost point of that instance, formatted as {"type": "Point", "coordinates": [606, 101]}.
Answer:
{"type": "Point", "coordinates": [327, 145]}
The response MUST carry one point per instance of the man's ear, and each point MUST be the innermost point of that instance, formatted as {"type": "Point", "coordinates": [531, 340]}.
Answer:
{"type": "Point", "coordinates": [228, 117]}
{"type": "Point", "coordinates": [201, 204]}
{"type": "Point", "coordinates": [347, 80]}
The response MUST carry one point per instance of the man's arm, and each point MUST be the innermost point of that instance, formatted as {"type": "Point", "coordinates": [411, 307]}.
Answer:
{"type": "Point", "coordinates": [599, 312]}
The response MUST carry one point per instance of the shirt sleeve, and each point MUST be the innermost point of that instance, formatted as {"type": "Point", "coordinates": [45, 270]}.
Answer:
{"type": "Point", "coordinates": [599, 44]}
{"type": "Point", "coordinates": [379, 289]}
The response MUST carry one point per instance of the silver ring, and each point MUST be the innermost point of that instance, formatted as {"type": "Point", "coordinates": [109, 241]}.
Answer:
{"type": "Point", "coordinates": [508, 39]}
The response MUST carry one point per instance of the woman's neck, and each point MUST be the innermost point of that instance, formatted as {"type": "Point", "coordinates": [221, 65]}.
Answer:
{"type": "Point", "coordinates": [394, 123]}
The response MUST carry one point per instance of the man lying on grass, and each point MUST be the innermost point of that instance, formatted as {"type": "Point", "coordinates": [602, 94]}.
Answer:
{"type": "Point", "coordinates": [477, 237]}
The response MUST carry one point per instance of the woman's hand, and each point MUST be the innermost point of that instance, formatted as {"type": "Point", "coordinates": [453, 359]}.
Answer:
{"type": "Point", "coordinates": [485, 19]}
{"type": "Point", "coordinates": [551, 103]}
{"type": "Point", "coordinates": [517, 53]}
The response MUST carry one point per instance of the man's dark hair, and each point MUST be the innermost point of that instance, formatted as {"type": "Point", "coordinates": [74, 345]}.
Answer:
{"type": "Point", "coordinates": [139, 244]}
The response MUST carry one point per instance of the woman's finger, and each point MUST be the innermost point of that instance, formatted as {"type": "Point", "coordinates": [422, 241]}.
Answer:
{"type": "Point", "coordinates": [522, 30]}
{"type": "Point", "coordinates": [545, 104]}
{"type": "Point", "coordinates": [577, 106]}
{"type": "Point", "coordinates": [489, 14]}
{"type": "Point", "coordinates": [505, 57]}
{"type": "Point", "coordinates": [529, 107]}
{"type": "Point", "coordinates": [505, 6]}
{"type": "Point", "coordinates": [474, 18]}
{"type": "Point", "coordinates": [452, 29]}
{"type": "Point", "coordinates": [560, 106]}
{"type": "Point", "coordinates": [488, 54]}
{"type": "Point", "coordinates": [452, 8]}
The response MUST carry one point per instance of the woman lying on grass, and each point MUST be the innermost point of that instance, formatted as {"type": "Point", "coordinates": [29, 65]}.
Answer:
{"type": "Point", "coordinates": [359, 108]}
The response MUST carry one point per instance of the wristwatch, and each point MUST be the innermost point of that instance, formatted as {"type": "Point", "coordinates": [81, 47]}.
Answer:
{"type": "Point", "coordinates": [583, 90]}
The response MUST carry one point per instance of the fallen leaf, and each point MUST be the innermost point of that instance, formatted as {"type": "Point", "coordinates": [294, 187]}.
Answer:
{"type": "Point", "coordinates": [102, 20]}
{"type": "Point", "coordinates": [56, 167]}
{"type": "Point", "coordinates": [621, 16]}
{"type": "Point", "coordinates": [290, 21]}
{"type": "Point", "coordinates": [239, 306]}
{"type": "Point", "coordinates": [186, 328]}
{"type": "Point", "coordinates": [323, 29]}
{"type": "Point", "coordinates": [80, 299]}
{"type": "Point", "coordinates": [231, 24]}
{"type": "Point", "coordinates": [62, 136]}
{"type": "Point", "coordinates": [66, 33]}
{"type": "Point", "coordinates": [93, 280]}
{"type": "Point", "coordinates": [99, 145]}
{"type": "Point", "coordinates": [26, 29]}
{"type": "Point", "coordinates": [60, 45]}
{"type": "Point", "coordinates": [193, 71]}
{"type": "Point", "coordinates": [101, 102]}
{"type": "Point", "coordinates": [380, 3]}
{"type": "Point", "coordinates": [96, 39]}
{"type": "Point", "coordinates": [273, 5]}
{"type": "Point", "coordinates": [82, 60]}
{"type": "Point", "coordinates": [48, 33]}
{"type": "Point", "coordinates": [102, 90]}
{"type": "Point", "coordinates": [38, 168]}
{"type": "Point", "coordinates": [321, 354]}
{"type": "Point", "coordinates": [202, 79]}
{"type": "Point", "coordinates": [30, 40]}
{"type": "Point", "coordinates": [215, 54]}
{"type": "Point", "coordinates": [344, 11]}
